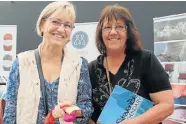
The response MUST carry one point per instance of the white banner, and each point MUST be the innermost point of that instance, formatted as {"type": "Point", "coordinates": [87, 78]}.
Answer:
{"type": "Point", "coordinates": [8, 39]}
{"type": "Point", "coordinates": [83, 40]}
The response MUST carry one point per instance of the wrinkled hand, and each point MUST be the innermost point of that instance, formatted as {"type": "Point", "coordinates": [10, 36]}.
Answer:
{"type": "Point", "coordinates": [59, 110]}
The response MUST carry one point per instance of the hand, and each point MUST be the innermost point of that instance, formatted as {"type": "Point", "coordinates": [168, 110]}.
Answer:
{"type": "Point", "coordinates": [91, 121]}
{"type": "Point", "coordinates": [59, 109]}
{"type": "Point", "coordinates": [127, 122]}
{"type": "Point", "coordinates": [98, 122]}
{"type": "Point", "coordinates": [178, 90]}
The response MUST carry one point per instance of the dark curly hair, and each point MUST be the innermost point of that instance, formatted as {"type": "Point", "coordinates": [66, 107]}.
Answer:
{"type": "Point", "coordinates": [116, 12]}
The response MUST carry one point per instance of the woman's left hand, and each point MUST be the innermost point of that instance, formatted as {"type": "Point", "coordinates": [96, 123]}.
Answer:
{"type": "Point", "coordinates": [91, 121]}
{"type": "Point", "coordinates": [128, 122]}
{"type": "Point", "coordinates": [59, 109]}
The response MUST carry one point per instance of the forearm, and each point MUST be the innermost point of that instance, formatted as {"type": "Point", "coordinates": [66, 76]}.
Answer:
{"type": "Point", "coordinates": [84, 103]}
{"type": "Point", "coordinates": [11, 94]}
{"type": "Point", "coordinates": [86, 110]}
{"type": "Point", "coordinates": [10, 106]}
{"type": "Point", "coordinates": [84, 96]}
{"type": "Point", "coordinates": [155, 115]}
{"type": "Point", "coordinates": [83, 114]}
{"type": "Point", "coordinates": [10, 113]}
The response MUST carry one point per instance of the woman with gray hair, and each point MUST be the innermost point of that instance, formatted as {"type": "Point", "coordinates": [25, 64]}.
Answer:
{"type": "Point", "coordinates": [51, 76]}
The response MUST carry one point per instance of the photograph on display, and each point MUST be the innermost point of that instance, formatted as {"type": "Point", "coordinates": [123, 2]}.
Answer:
{"type": "Point", "coordinates": [178, 117]}
{"type": "Point", "coordinates": [2, 88]}
{"type": "Point", "coordinates": [174, 51]}
{"type": "Point", "coordinates": [8, 40]}
{"type": "Point", "coordinates": [170, 28]}
{"type": "Point", "coordinates": [176, 72]}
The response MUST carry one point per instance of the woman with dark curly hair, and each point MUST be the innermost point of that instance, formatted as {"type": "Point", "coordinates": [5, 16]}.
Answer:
{"type": "Point", "coordinates": [124, 62]}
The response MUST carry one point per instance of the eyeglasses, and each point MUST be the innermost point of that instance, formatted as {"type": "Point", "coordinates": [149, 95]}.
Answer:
{"type": "Point", "coordinates": [117, 28]}
{"type": "Point", "coordinates": [57, 23]}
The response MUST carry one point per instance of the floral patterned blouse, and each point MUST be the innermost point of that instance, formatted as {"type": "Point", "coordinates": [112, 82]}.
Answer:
{"type": "Point", "coordinates": [83, 98]}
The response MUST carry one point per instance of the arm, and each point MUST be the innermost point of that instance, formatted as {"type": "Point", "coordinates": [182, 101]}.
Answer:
{"type": "Point", "coordinates": [97, 109]}
{"type": "Point", "coordinates": [163, 108]}
{"type": "Point", "coordinates": [11, 94]}
{"type": "Point", "coordinates": [84, 96]}
{"type": "Point", "coordinates": [158, 86]}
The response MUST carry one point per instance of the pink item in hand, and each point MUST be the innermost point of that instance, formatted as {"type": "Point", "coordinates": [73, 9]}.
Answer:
{"type": "Point", "coordinates": [70, 117]}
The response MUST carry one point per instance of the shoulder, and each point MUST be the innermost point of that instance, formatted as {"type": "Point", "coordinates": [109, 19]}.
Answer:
{"type": "Point", "coordinates": [93, 64]}
{"type": "Point", "coordinates": [147, 53]}
{"type": "Point", "coordinates": [26, 59]}
{"type": "Point", "coordinates": [139, 55]}
{"type": "Point", "coordinates": [149, 59]}
{"type": "Point", "coordinates": [84, 63]}
{"type": "Point", "coordinates": [149, 56]}
{"type": "Point", "coordinates": [71, 55]}
{"type": "Point", "coordinates": [15, 64]}
{"type": "Point", "coordinates": [26, 54]}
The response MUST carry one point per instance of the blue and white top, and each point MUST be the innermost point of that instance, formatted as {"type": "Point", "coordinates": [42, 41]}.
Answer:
{"type": "Point", "coordinates": [84, 96]}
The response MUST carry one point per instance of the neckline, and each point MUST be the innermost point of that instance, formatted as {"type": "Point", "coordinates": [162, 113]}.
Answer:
{"type": "Point", "coordinates": [53, 82]}
{"type": "Point", "coordinates": [121, 66]}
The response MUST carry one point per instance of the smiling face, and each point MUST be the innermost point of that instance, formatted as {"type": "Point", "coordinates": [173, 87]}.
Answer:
{"type": "Point", "coordinates": [57, 28]}
{"type": "Point", "coordinates": [114, 34]}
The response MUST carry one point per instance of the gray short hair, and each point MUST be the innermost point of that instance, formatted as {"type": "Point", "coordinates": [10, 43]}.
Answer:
{"type": "Point", "coordinates": [53, 7]}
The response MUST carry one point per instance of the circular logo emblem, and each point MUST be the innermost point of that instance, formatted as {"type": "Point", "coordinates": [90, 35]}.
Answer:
{"type": "Point", "coordinates": [80, 40]}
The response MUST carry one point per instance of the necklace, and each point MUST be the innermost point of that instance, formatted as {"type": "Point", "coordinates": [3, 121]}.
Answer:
{"type": "Point", "coordinates": [108, 76]}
